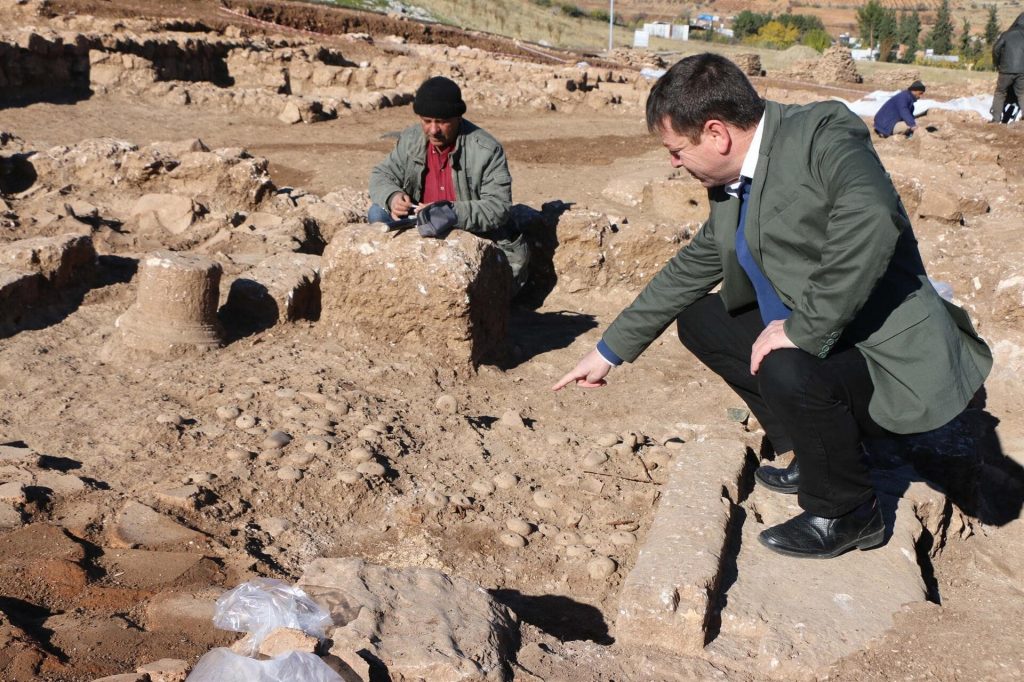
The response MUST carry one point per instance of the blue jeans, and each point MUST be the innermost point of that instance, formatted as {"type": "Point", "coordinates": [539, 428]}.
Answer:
{"type": "Point", "coordinates": [376, 214]}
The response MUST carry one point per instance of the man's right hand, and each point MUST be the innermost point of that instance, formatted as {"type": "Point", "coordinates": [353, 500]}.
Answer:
{"type": "Point", "coordinates": [401, 205]}
{"type": "Point", "coordinates": [588, 373]}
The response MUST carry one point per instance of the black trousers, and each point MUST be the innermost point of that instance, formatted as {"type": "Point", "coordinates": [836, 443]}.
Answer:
{"type": "Point", "coordinates": [816, 407]}
{"type": "Point", "coordinates": [1005, 83]}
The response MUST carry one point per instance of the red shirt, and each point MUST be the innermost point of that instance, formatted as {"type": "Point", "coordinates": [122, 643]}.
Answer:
{"type": "Point", "coordinates": [438, 182]}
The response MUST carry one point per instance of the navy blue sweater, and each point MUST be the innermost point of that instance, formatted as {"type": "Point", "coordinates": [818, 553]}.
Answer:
{"type": "Point", "coordinates": [900, 107]}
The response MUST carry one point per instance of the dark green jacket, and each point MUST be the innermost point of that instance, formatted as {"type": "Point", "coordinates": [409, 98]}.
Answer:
{"type": "Point", "coordinates": [827, 228]}
{"type": "Point", "coordinates": [483, 185]}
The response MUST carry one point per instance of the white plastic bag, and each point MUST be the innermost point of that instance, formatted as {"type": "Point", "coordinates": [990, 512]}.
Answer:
{"type": "Point", "coordinates": [224, 665]}
{"type": "Point", "coordinates": [263, 604]}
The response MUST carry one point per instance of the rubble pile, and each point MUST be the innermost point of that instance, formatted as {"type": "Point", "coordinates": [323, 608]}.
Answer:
{"type": "Point", "coordinates": [836, 65]}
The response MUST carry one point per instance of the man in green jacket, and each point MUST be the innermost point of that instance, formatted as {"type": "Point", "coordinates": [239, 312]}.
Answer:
{"type": "Point", "coordinates": [826, 323]}
{"type": "Point", "coordinates": [452, 169]}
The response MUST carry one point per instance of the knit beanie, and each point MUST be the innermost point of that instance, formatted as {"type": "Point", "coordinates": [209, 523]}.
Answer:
{"type": "Point", "coordinates": [916, 86]}
{"type": "Point", "coordinates": [439, 97]}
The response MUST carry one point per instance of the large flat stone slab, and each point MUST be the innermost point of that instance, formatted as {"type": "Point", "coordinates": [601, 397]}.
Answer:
{"type": "Point", "coordinates": [667, 599]}
{"type": "Point", "coordinates": [139, 526]}
{"type": "Point", "coordinates": [788, 618]}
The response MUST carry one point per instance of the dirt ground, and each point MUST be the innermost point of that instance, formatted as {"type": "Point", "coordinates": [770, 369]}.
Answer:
{"type": "Point", "coordinates": [90, 609]}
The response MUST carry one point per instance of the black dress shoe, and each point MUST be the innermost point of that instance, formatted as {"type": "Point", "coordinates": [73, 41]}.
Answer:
{"type": "Point", "coordinates": [817, 537]}
{"type": "Point", "coordinates": [780, 480]}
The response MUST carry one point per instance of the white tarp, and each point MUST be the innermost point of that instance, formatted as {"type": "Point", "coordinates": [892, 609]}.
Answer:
{"type": "Point", "coordinates": [869, 105]}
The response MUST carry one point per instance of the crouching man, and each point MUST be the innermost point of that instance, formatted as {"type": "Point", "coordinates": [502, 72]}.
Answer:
{"type": "Point", "coordinates": [454, 171]}
{"type": "Point", "coordinates": [826, 323]}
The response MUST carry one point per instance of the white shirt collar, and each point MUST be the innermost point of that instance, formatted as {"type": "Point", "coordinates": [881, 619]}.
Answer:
{"type": "Point", "coordinates": [749, 161]}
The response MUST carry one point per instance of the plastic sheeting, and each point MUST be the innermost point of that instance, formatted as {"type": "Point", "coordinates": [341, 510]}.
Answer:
{"type": "Point", "coordinates": [870, 104]}
{"type": "Point", "coordinates": [224, 665]}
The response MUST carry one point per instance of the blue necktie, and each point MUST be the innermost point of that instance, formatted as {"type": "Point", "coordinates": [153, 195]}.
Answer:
{"type": "Point", "coordinates": [772, 307]}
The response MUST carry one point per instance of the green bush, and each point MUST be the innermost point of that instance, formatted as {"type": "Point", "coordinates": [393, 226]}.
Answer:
{"type": "Point", "coordinates": [572, 11]}
{"type": "Point", "coordinates": [817, 38]}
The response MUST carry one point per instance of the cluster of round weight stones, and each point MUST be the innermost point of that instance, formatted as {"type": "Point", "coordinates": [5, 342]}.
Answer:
{"type": "Point", "coordinates": [588, 546]}
{"type": "Point", "coordinates": [277, 447]}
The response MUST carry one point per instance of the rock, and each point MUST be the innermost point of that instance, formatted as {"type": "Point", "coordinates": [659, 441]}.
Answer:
{"type": "Point", "coordinates": [237, 454]}
{"type": "Point", "coordinates": [125, 677]}
{"type": "Point", "coordinates": [246, 421]}
{"type": "Point", "coordinates": [228, 412]}
{"type": "Point", "coordinates": [175, 611]}
{"type": "Point", "coordinates": [512, 540]}
{"type": "Point", "coordinates": [440, 301]}
{"type": "Point", "coordinates": [737, 414]}
{"type": "Point", "coordinates": [371, 468]}
{"type": "Point", "coordinates": [282, 288]}
{"type": "Point", "coordinates": [281, 640]}
{"type": "Point", "coordinates": [137, 525]}
{"type": "Point", "coordinates": [519, 526]}
{"type": "Point", "coordinates": [276, 440]}
{"type": "Point", "coordinates": [275, 525]}
{"type": "Point", "coordinates": [360, 454]}
{"type": "Point", "coordinates": [482, 487]}
{"type": "Point", "coordinates": [65, 261]}
{"type": "Point", "coordinates": [447, 404]}
{"type": "Point", "coordinates": [544, 499]}
{"type": "Point", "coordinates": [10, 516]}
{"type": "Point", "coordinates": [13, 493]}
{"type": "Point", "coordinates": [18, 292]}
{"type": "Point", "coordinates": [143, 569]}
{"type": "Point", "coordinates": [18, 454]}
{"type": "Point", "coordinates": [289, 474]}
{"type": "Point", "coordinates": [290, 114]}
{"type": "Point", "coordinates": [940, 205]}
{"type": "Point", "coordinates": [601, 567]}
{"type": "Point", "coordinates": [511, 419]}
{"type": "Point", "coordinates": [420, 623]}
{"type": "Point", "coordinates": [165, 670]}
{"type": "Point", "coordinates": [668, 597]}
{"type": "Point", "coordinates": [183, 497]}
{"type": "Point", "coordinates": [171, 212]}
{"type": "Point", "coordinates": [505, 480]}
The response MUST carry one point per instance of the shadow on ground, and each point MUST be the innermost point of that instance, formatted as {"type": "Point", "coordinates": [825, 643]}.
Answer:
{"type": "Point", "coordinates": [558, 616]}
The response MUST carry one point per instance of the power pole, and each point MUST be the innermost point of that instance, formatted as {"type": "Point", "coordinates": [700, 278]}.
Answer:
{"type": "Point", "coordinates": [611, 25]}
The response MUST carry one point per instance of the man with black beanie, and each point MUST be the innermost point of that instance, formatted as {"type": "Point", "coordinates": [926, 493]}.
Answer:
{"type": "Point", "coordinates": [899, 109]}
{"type": "Point", "coordinates": [454, 171]}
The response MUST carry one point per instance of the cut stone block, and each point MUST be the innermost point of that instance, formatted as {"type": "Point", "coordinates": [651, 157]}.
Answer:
{"type": "Point", "coordinates": [418, 622]}
{"type": "Point", "coordinates": [789, 618]}
{"type": "Point", "coordinates": [165, 670]}
{"type": "Point", "coordinates": [179, 611]}
{"type": "Point", "coordinates": [10, 516]}
{"type": "Point", "coordinates": [137, 525]}
{"type": "Point", "coordinates": [172, 212]}
{"type": "Point", "coordinates": [18, 454]}
{"type": "Point", "coordinates": [143, 569]}
{"type": "Point", "coordinates": [19, 292]}
{"type": "Point", "coordinates": [668, 597]}
{"type": "Point", "coordinates": [443, 301]}
{"type": "Point", "coordinates": [282, 288]}
{"type": "Point", "coordinates": [65, 261]}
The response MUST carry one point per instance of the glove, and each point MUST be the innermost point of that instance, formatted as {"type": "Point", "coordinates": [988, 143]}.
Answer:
{"type": "Point", "coordinates": [437, 220]}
